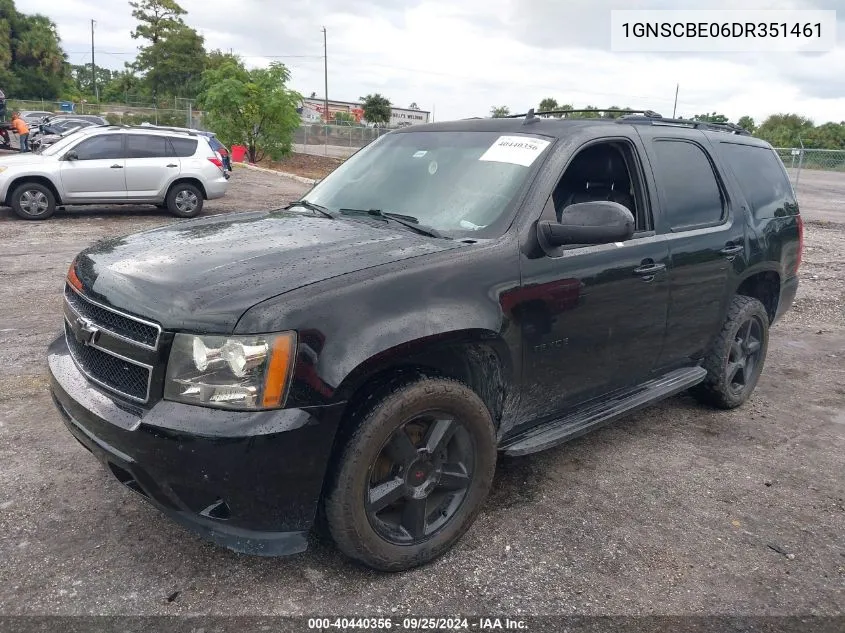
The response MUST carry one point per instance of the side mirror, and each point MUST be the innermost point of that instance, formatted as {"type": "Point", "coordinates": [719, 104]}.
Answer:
{"type": "Point", "coordinates": [600, 222]}
{"type": "Point", "coordinates": [71, 155]}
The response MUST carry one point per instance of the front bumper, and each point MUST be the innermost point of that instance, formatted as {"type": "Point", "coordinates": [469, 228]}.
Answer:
{"type": "Point", "coordinates": [249, 481]}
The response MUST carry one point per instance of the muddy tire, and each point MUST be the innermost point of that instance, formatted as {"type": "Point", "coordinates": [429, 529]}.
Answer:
{"type": "Point", "coordinates": [413, 475]}
{"type": "Point", "coordinates": [736, 358]}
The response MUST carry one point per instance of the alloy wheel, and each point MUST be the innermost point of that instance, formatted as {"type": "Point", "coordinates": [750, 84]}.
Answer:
{"type": "Point", "coordinates": [186, 201]}
{"type": "Point", "coordinates": [420, 478]}
{"type": "Point", "coordinates": [743, 360]}
{"type": "Point", "coordinates": [34, 202]}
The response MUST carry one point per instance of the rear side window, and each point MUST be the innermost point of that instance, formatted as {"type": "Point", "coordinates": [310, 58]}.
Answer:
{"type": "Point", "coordinates": [107, 146]}
{"type": "Point", "coordinates": [690, 192]}
{"type": "Point", "coordinates": [761, 178]}
{"type": "Point", "coordinates": [184, 147]}
{"type": "Point", "coordinates": [143, 146]}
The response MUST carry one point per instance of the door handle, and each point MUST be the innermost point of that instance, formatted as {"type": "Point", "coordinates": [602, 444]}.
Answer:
{"type": "Point", "coordinates": [731, 250]}
{"type": "Point", "coordinates": [649, 270]}
{"type": "Point", "coordinates": [117, 166]}
{"type": "Point", "coordinates": [172, 165]}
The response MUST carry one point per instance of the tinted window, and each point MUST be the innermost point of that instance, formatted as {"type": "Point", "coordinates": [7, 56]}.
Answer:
{"type": "Point", "coordinates": [691, 194]}
{"type": "Point", "coordinates": [138, 146]}
{"type": "Point", "coordinates": [184, 147]}
{"type": "Point", "coordinates": [761, 178]}
{"type": "Point", "coordinates": [101, 147]}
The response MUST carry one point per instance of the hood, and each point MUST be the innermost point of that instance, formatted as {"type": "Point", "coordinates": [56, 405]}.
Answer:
{"type": "Point", "coordinates": [202, 275]}
{"type": "Point", "coordinates": [26, 158]}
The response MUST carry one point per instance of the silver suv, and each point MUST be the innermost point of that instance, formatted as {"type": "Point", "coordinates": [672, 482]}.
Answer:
{"type": "Point", "coordinates": [114, 165]}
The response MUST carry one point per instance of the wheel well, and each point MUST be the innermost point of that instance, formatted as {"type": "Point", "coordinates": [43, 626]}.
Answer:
{"type": "Point", "coordinates": [192, 181]}
{"type": "Point", "coordinates": [765, 287]}
{"type": "Point", "coordinates": [41, 180]}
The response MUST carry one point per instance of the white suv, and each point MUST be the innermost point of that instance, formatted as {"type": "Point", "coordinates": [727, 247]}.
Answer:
{"type": "Point", "coordinates": [114, 165]}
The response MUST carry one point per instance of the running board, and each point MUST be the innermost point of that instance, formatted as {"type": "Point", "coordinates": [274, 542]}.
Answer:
{"type": "Point", "coordinates": [596, 414]}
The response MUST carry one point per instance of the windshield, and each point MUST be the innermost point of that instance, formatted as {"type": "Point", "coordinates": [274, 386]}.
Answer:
{"type": "Point", "coordinates": [460, 183]}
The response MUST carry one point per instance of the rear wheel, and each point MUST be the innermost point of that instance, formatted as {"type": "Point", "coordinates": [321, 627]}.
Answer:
{"type": "Point", "coordinates": [184, 200]}
{"type": "Point", "coordinates": [736, 359]}
{"type": "Point", "coordinates": [413, 476]}
{"type": "Point", "coordinates": [33, 201]}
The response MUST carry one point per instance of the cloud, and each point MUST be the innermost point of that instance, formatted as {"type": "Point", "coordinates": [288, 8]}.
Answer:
{"type": "Point", "coordinates": [460, 59]}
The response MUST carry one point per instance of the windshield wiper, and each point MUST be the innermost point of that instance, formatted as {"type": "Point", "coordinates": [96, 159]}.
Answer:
{"type": "Point", "coordinates": [405, 220]}
{"type": "Point", "coordinates": [313, 207]}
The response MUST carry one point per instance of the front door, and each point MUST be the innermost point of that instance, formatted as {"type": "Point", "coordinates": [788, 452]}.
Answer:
{"type": "Point", "coordinates": [98, 172]}
{"type": "Point", "coordinates": [150, 166]}
{"type": "Point", "coordinates": [593, 318]}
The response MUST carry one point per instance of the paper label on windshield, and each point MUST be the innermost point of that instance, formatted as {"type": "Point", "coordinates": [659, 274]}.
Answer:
{"type": "Point", "coordinates": [518, 150]}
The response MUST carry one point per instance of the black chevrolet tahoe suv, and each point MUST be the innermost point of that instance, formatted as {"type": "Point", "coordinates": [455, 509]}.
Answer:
{"type": "Point", "coordinates": [453, 291]}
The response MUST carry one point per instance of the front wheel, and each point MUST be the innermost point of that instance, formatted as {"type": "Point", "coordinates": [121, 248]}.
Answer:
{"type": "Point", "coordinates": [413, 476]}
{"type": "Point", "coordinates": [33, 201]}
{"type": "Point", "coordinates": [184, 200]}
{"type": "Point", "coordinates": [735, 360]}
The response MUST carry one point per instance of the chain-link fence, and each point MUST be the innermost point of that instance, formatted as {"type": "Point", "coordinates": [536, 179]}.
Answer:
{"type": "Point", "coordinates": [338, 141]}
{"type": "Point", "coordinates": [116, 113]}
{"type": "Point", "coordinates": [817, 175]}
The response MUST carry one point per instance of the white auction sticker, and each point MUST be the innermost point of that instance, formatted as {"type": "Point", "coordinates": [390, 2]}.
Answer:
{"type": "Point", "coordinates": [518, 150]}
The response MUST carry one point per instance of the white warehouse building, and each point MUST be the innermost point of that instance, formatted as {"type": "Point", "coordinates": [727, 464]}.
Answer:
{"type": "Point", "coordinates": [312, 111]}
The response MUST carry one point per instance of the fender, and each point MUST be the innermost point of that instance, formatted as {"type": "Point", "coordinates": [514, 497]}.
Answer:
{"type": "Point", "coordinates": [353, 326]}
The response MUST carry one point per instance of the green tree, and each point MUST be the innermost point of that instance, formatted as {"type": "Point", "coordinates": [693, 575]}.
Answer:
{"type": "Point", "coordinates": [591, 112]}
{"type": "Point", "coordinates": [413, 106]}
{"type": "Point", "coordinates": [497, 112]}
{"type": "Point", "coordinates": [377, 109]}
{"type": "Point", "coordinates": [344, 118]}
{"type": "Point", "coordinates": [747, 122]}
{"type": "Point", "coordinates": [216, 58]}
{"type": "Point", "coordinates": [81, 77]}
{"type": "Point", "coordinates": [124, 86]}
{"type": "Point", "coordinates": [785, 130]}
{"type": "Point", "coordinates": [32, 62]}
{"type": "Point", "coordinates": [254, 108]}
{"type": "Point", "coordinates": [827, 136]}
{"type": "Point", "coordinates": [548, 104]}
{"type": "Point", "coordinates": [712, 117]}
{"type": "Point", "coordinates": [174, 58]}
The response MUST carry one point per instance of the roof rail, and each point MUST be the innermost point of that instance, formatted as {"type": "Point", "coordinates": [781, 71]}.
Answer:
{"type": "Point", "coordinates": [164, 128]}
{"type": "Point", "coordinates": [730, 128]}
{"type": "Point", "coordinates": [531, 113]}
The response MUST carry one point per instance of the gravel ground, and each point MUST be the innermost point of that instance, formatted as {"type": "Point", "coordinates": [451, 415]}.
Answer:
{"type": "Point", "coordinates": [677, 510]}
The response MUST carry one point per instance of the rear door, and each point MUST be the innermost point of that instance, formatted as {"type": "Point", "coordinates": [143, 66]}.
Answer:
{"type": "Point", "coordinates": [150, 166]}
{"type": "Point", "coordinates": [705, 230]}
{"type": "Point", "coordinates": [98, 173]}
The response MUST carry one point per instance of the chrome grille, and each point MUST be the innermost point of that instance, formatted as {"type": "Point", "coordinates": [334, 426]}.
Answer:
{"type": "Point", "coordinates": [118, 375]}
{"type": "Point", "coordinates": [124, 325]}
{"type": "Point", "coordinates": [113, 349]}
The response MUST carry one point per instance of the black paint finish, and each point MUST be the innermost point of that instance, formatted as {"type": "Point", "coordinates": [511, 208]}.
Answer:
{"type": "Point", "coordinates": [537, 332]}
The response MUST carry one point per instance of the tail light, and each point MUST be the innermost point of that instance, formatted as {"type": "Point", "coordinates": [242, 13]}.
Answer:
{"type": "Point", "coordinates": [216, 161]}
{"type": "Point", "coordinates": [800, 243]}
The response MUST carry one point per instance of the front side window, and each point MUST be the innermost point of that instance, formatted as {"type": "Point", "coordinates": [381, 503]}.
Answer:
{"type": "Point", "coordinates": [690, 192]}
{"type": "Point", "coordinates": [106, 146]}
{"type": "Point", "coordinates": [456, 182]}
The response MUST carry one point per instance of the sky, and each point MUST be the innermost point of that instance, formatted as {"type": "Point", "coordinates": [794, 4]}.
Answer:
{"type": "Point", "coordinates": [458, 59]}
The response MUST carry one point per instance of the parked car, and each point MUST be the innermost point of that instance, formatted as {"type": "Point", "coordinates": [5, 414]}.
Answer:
{"type": "Point", "coordinates": [451, 292]}
{"type": "Point", "coordinates": [34, 117]}
{"type": "Point", "coordinates": [114, 165]}
{"type": "Point", "coordinates": [49, 133]}
{"type": "Point", "coordinates": [92, 118]}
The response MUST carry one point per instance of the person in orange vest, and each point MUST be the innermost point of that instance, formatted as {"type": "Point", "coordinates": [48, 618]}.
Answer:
{"type": "Point", "coordinates": [20, 126]}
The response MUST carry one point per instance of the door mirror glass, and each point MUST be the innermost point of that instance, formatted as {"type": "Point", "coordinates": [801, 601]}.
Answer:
{"type": "Point", "coordinates": [71, 155]}
{"type": "Point", "coordinates": [599, 222]}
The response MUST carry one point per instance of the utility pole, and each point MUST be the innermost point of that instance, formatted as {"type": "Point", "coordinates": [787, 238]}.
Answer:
{"type": "Point", "coordinates": [675, 109]}
{"type": "Point", "coordinates": [326, 86]}
{"type": "Point", "coordinates": [93, 65]}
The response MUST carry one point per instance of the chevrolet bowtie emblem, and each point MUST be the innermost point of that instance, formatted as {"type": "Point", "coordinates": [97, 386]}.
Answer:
{"type": "Point", "coordinates": [85, 331]}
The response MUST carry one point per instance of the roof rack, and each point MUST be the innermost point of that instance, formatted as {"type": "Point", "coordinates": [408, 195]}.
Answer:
{"type": "Point", "coordinates": [165, 128]}
{"type": "Point", "coordinates": [532, 116]}
{"type": "Point", "coordinates": [641, 117]}
{"type": "Point", "coordinates": [730, 128]}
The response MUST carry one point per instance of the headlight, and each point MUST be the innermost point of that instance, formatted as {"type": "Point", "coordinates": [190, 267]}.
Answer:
{"type": "Point", "coordinates": [3, 168]}
{"type": "Point", "coordinates": [230, 372]}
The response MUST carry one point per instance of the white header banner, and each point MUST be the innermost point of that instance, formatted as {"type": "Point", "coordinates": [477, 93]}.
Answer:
{"type": "Point", "coordinates": [653, 31]}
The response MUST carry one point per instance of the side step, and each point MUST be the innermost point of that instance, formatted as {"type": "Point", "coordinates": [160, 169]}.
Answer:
{"type": "Point", "coordinates": [599, 413]}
